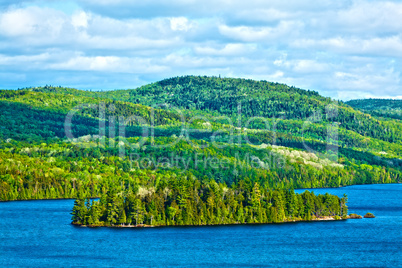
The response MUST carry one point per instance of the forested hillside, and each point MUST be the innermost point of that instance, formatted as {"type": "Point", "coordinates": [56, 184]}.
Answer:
{"type": "Point", "coordinates": [256, 98]}
{"type": "Point", "coordinates": [379, 107]}
{"type": "Point", "coordinates": [188, 127]}
{"type": "Point", "coordinates": [287, 110]}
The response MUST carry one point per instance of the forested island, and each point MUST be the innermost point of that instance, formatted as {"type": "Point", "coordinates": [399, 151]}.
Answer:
{"type": "Point", "coordinates": [193, 150]}
{"type": "Point", "coordinates": [182, 201]}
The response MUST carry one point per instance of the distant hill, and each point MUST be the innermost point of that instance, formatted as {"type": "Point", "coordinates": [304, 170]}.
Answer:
{"type": "Point", "coordinates": [224, 96]}
{"type": "Point", "coordinates": [379, 107]}
{"type": "Point", "coordinates": [214, 96]}
{"type": "Point", "coordinates": [257, 98]}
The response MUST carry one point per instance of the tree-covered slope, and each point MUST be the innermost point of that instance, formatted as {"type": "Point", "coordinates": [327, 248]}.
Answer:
{"type": "Point", "coordinates": [225, 96]}
{"type": "Point", "coordinates": [212, 97]}
{"type": "Point", "coordinates": [379, 107]}
{"type": "Point", "coordinates": [257, 98]}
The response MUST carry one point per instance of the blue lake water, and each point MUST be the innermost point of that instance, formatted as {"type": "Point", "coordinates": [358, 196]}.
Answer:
{"type": "Point", "coordinates": [39, 233]}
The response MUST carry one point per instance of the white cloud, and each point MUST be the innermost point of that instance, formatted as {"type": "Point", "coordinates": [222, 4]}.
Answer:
{"type": "Point", "coordinates": [371, 17]}
{"type": "Point", "coordinates": [379, 46]}
{"type": "Point", "coordinates": [285, 29]}
{"type": "Point", "coordinates": [341, 48]}
{"type": "Point", "coordinates": [31, 21]}
{"type": "Point", "coordinates": [264, 15]}
{"type": "Point", "coordinates": [231, 49]}
{"type": "Point", "coordinates": [80, 20]}
{"type": "Point", "coordinates": [180, 24]}
{"type": "Point", "coordinates": [98, 63]}
{"type": "Point", "coordinates": [110, 64]}
{"type": "Point", "coordinates": [17, 23]}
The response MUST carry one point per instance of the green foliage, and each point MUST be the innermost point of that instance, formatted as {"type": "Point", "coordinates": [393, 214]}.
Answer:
{"type": "Point", "coordinates": [222, 96]}
{"type": "Point", "coordinates": [89, 167]}
{"type": "Point", "coordinates": [381, 108]}
{"type": "Point", "coordinates": [191, 175]}
{"type": "Point", "coordinates": [184, 200]}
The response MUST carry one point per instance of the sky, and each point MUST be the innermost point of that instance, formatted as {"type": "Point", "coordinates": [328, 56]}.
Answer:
{"type": "Point", "coordinates": [343, 49]}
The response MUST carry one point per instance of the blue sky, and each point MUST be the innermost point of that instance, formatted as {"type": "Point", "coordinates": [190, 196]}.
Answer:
{"type": "Point", "coordinates": [343, 49]}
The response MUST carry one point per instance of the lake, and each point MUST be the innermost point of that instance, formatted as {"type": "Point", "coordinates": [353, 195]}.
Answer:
{"type": "Point", "coordinates": [39, 233]}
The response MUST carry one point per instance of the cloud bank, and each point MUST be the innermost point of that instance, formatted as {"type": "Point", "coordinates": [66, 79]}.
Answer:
{"type": "Point", "coordinates": [343, 49]}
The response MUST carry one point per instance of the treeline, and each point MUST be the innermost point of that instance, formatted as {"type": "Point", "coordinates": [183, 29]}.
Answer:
{"type": "Point", "coordinates": [187, 201]}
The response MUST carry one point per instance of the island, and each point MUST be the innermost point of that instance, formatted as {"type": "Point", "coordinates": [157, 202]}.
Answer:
{"type": "Point", "coordinates": [369, 215]}
{"type": "Point", "coordinates": [354, 216]}
{"type": "Point", "coordinates": [191, 202]}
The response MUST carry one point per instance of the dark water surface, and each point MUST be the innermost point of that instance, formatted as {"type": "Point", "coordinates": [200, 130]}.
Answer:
{"type": "Point", "coordinates": [39, 233]}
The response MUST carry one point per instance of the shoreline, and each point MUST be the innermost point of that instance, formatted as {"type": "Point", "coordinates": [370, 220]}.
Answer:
{"type": "Point", "coordinates": [309, 189]}
{"type": "Point", "coordinates": [324, 218]}
{"type": "Point", "coordinates": [45, 199]}
{"type": "Point", "coordinates": [345, 186]}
